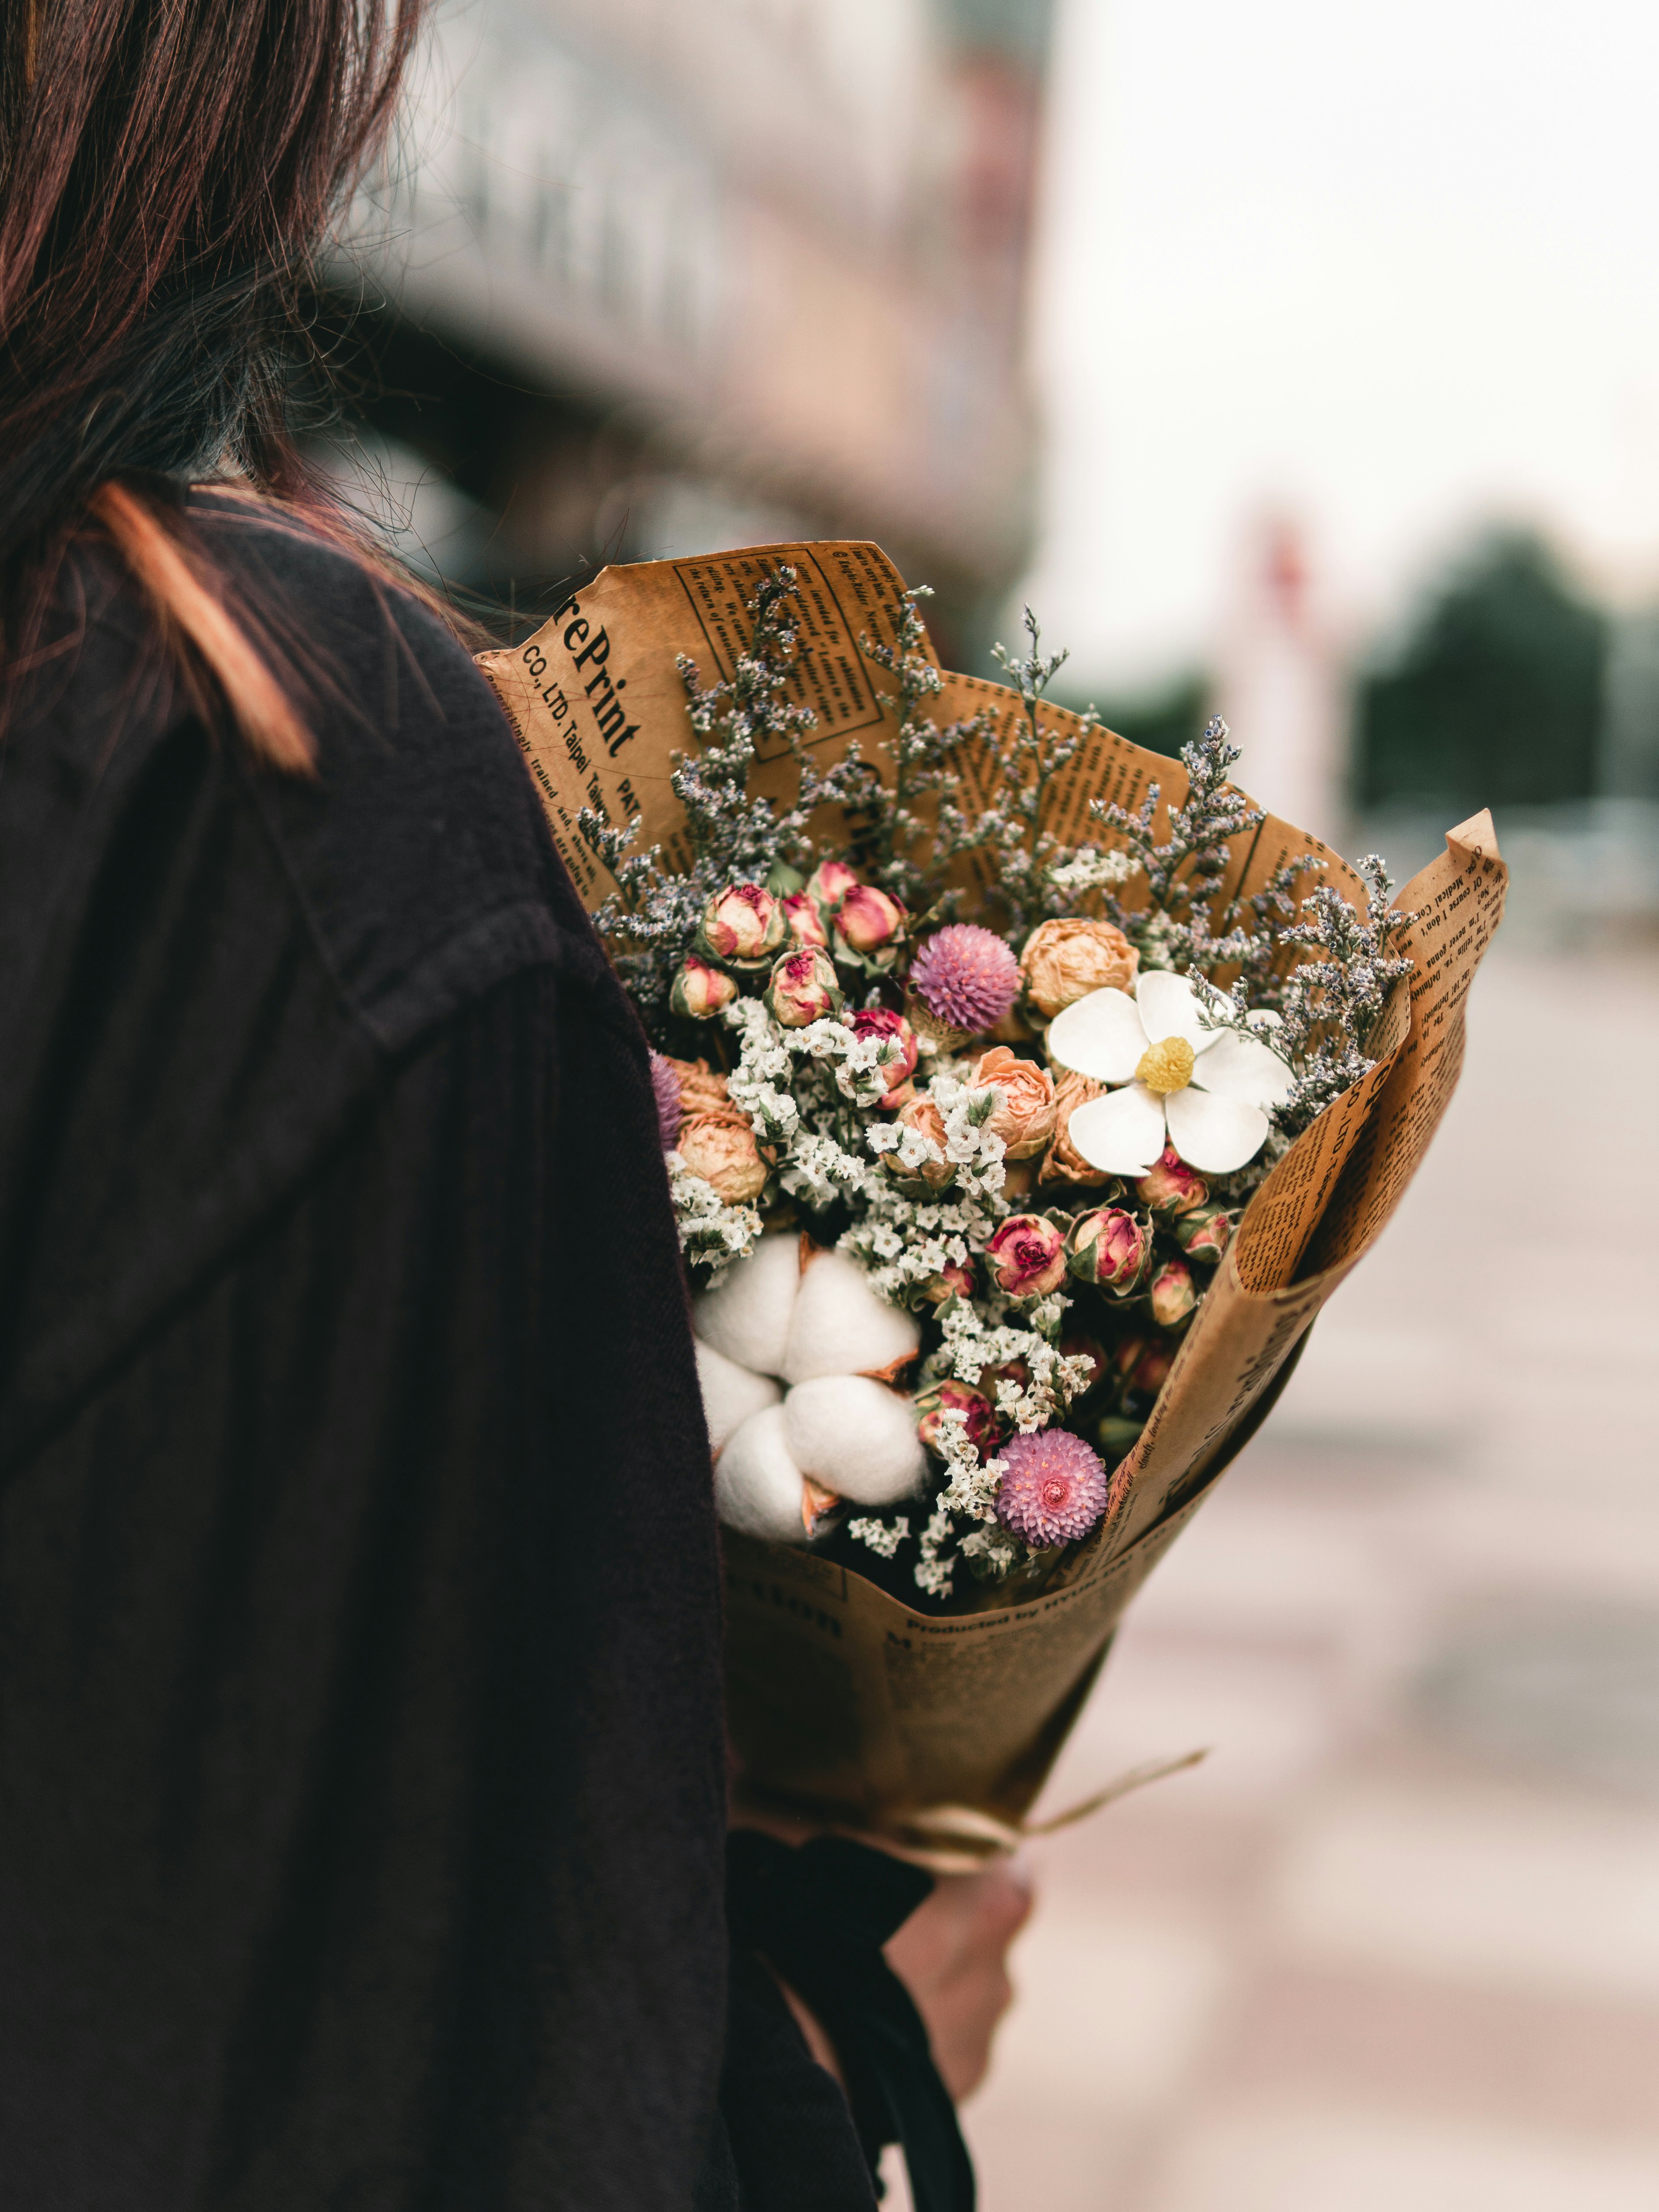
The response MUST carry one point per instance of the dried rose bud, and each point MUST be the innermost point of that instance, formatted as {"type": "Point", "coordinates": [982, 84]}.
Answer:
{"type": "Point", "coordinates": [870, 926]}
{"type": "Point", "coordinates": [804, 922]}
{"type": "Point", "coordinates": [922, 1115]}
{"type": "Point", "coordinates": [1027, 1256]}
{"type": "Point", "coordinates": [803, 988]}
{"type": "Point", "coordinates": [1174, 1294]}
{"type": "Point", "coordinates": [1205, 1233]}
{"type": "Point", "coordinates": [1064, 961]}
{"type": "Point", "coordinates": [1016, 1372]}
{"type": "Point", "coordinates": [700, 990]}
{"type": "Point", "coordinates": [953, 1281]}
{"type": "Point", "coordinates": [1024, 1115]}
{"type": "Point", "coordinates": [1110, 1247]}
{"type": "Point", "coordinates": [829, 884]}
{"type": "Point", "coordinates": [1170, 1186]}
{"type": "Point", "coordinates": [743, 924]}
{"type": "Point", "coordinates": [980, 1414]}
{"type": "Point", "coordinates": [721, 1149]}
{"type": "Point", "coordinates": [1143, 1363]}
{"type": "Point", "coordinates": [877, 1022]}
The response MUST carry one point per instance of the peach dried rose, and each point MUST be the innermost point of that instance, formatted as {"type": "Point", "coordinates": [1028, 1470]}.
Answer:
{"type": "Point", "coordinates": [721, 1149]}
{"type": "Point", "coordinates": [1023, 1116]}
{"type": "Point", "coordinates": [702, 1088]}
{"type": "Point", "coordinates": [1064, 961]}
{"type": "Point", "coordinates": [1065, 1163]}
{"type": "Point", "coordinates": [919, 1113]}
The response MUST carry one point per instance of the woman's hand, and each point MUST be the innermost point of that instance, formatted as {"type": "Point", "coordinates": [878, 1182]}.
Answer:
{"type": "Point", "coordinates": [952, 1956]}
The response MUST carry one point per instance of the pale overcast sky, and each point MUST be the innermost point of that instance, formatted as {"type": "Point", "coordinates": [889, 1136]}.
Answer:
{"type": "Point", "coordinates": [1393, 268]}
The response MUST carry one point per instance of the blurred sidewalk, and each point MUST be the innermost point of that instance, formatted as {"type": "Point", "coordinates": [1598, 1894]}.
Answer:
{"type": "Point", "coordinates": [1397, 1942]}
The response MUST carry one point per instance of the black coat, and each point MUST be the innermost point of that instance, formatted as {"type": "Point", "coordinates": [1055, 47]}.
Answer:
{"type": "Point", "coordinates": [362, 1783]}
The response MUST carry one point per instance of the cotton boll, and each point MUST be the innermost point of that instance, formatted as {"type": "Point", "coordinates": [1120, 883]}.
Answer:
{"type": "Point", "coordinates": [855, 1437]}
{"type": "Point", "coordinates": [840, 1325]}
{"type": "Point", "coordinates": [757, 1487]}
{"type": "Point", "coordinates": [730, 1393]}
{"type": "Point", "coordinates": [747, 1318]}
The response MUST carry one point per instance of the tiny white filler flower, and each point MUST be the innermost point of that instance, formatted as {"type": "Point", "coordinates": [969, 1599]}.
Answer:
{"type": "Point", "coordinates": [1205, 1091]}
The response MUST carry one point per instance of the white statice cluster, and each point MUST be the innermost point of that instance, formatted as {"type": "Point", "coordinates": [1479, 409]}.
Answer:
{"type": "Point", "coordinates": [1093, 868]}
{"type": "Point", "coordinates": [712, 1233]}
{"type": "Point", "coordinates": [907, 1235]}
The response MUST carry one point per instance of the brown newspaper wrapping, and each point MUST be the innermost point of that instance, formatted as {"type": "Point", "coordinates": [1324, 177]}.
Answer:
{"type": "Point", "coordinates": [842, 1702]}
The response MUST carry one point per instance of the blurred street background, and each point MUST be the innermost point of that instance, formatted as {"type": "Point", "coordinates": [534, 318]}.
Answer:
{"type": "Point", "coordinates": [1302, 365]}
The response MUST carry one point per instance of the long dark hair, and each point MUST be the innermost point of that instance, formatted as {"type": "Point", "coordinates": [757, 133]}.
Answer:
{"type": "Point", "coordinates": [169, 169]}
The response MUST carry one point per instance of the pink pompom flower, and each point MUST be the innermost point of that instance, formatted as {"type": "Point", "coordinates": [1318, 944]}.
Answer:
{"type": "Point", "coordinates": [966, 977]}
{"type": "Point", "coordinates": [1052, 1489]}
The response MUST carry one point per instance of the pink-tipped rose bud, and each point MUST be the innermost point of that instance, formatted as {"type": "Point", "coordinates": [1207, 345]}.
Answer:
{"type": "Point", "coordinates": [977, 1409]}
{"type": "Point", "coordinates": [870, 926]}
{"type": "Point", "coordinates": [743, 924]}
{"type": "Point", "coordinates": [803, 988]}
{"type": "Point", "coordinates": [1170, 1186]}
{"type": "Point", "coordinates": [721, 1149]}
{"type": "Point", "coordinates": [804, 922]}
{"type": "Point", "coordinates": [1109, 1247]}
{"type": "Point", "coordinates": [1205, 1233]}
{"type": "Point", "coordinates": [1027, 1256]}
{"type": "Point", "coordinates": [700, 991]}
{"type": "Point", "coordinates": [1174, 1294]}
{"type": "Point", "coordinates": [1144, 1364]}
{"type": "Point", "coordinates": [922, 1115]}
{"type": "Point", "coordinates": [829, 884]}
{"type": "Point", "coordinates": [1024, 1115]}
{"type": "Point", "coordinates": [953, 1281]}
{"type": "Point", "coordinates": [877, 1022]}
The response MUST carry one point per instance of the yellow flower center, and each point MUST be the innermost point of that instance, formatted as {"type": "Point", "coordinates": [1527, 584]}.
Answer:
{"type": "Point", "coordinates": [1167, 1067]}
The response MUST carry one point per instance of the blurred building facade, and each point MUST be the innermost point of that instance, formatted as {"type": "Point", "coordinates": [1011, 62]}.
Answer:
{"type": "Point", "coordinates": [641, 279]}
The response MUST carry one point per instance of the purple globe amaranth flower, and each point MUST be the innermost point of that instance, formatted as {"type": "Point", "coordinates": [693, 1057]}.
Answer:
{"type": "Point", "coordinates": [978, 1415]}
{"type": "Point", "coordinates": [966, 977]}
{"type": "Point", "coordinates": [803, 988]}
{"type": "Point", "coordinates": [665, 1089]}
{"type": "Point", "coordinates": [1174, 1294]}
{"type": "Point", "coordinates": [1111, 1247]}
{"type": "Point", "coordinates": [1052, 1489]}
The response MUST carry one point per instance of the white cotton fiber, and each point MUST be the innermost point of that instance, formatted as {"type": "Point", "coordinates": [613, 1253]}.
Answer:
{"type": "Point", "coordinates": [747, 1318]}
{"type": "Point", "coordinates": [840, 1327]}
{"type": "Point", "coordinates": [730, 1393]}
{"type": "Point", "coordinates": [853, 1435]}
{"type": "Point", "coordinates": [756, 1484]}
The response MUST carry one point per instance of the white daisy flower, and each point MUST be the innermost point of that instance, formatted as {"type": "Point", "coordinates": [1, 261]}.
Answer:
{"type": "Point", "coordinates": [1205, 1091]}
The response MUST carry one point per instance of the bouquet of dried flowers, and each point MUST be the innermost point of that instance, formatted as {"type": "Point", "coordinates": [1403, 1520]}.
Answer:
{"type": "Point", "coordinates": [952, 1186]}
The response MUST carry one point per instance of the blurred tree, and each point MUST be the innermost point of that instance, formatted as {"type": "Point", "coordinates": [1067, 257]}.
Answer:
{"type": "Point", "coordinates": [1495, 696]}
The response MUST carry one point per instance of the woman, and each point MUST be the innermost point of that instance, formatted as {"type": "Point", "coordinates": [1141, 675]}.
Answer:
{"type": "Point", "coordinates": [362, 1790]}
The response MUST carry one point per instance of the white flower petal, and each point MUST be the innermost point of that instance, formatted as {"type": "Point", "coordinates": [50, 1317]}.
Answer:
{"type": "Point", "coordinates": [1121, 1132]}
{"type": "Point", "coordinates": [1168, 1007]}
{"type": "Point", "coordinates": [1214, 1135]}
{"type": "Point", "coordinates": [1100, 1035]}
{"type": "Point", "coordinates": [1240, 1068]}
